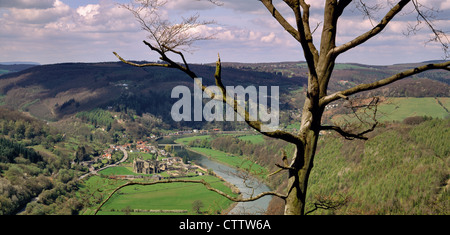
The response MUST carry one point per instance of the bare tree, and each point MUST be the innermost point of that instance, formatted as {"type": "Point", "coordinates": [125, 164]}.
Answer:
{"type": "Point", "coordinates": [167, 37]}
{"type": "Point", "coordinates": [197, 206]}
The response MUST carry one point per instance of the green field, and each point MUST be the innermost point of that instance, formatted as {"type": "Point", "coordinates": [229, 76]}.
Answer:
{"type": "Point", "coordinates": [233, 161]}
{"type": "Point", "coordinates": [171, 197]}
{"type": "Point", "coordinates": [118, 170]}
{"type": "Point", "coordinates": [397, 109]}
{"type": "Point", "coordinates": [255, 139]}
{"type": "Point", "coordinates": [186, 140]}
{"type": "Point", "coordinates": [349, 66]}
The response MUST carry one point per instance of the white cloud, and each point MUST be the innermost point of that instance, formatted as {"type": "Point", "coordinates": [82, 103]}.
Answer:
{"type": "Point", "coordinates": [445, 5]}
{"type": "Point", "coordinates": [50, 31]}
{"type": "Point", "coordinates": [239, 36]}
{"type": "Point", "coordinates": [88, 11]}
{"type": "Point", "coordinates": [315, 4]}
{"type": "Point", "coordinates": [39, 16]}
{"type": "Point", "coordinates": [60, 33]}
{"type": "Point", "coordinates": [269, 38]}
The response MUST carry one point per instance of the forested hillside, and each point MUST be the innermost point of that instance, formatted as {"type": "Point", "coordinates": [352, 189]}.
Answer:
{"type": "Point", "coordinates": [402, 169]}
{"type": "Point", "coordinates": [10, 150]}
{"type": "Point", "coordinates": [26, 172]}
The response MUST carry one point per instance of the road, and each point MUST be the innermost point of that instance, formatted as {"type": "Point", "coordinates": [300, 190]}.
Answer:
{"type": "Point", "coordinates": [93, 172]}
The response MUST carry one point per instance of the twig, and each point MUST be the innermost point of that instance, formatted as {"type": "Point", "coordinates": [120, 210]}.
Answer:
{"type": "Point", "coordinates": [141, 65]}
{"type": "Point", "coordinates": [285, 165]}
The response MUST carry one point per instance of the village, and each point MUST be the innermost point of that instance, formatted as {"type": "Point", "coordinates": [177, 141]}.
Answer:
{"type": "Point", "coordinates": [162, 163]}
{"type": "Point", "coordinates": [139, 146]}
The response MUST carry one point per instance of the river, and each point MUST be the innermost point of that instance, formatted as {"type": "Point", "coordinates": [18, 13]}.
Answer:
{"type": "Point", "coordinates": [250, 187]}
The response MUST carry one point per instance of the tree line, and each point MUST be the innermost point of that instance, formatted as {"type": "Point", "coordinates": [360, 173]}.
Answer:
{"type": "Point", "coordinates": [9, 151]}
{"type": "Point", "coordinates": [97, 117]}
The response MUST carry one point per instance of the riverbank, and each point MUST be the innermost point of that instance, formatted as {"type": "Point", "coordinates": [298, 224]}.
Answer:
{"type": "Point", "coordinates": [256, 173]}
{"type": "Point", "coordinates": [233, 187]}
{"type": "Point", "coordinates": [248, 185]}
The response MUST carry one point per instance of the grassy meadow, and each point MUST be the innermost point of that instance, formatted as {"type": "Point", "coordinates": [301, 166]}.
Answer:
{"type": "Point", "coordinates": [186, 140]}
{"type": "Point", "coordinates": [239, 162]}
{"type": "Point", "coordinates": [397, 109]}
{"type": "Point", "coordinates": [255, 139]}
{"type": "Point", "coordinates": [174, 197]}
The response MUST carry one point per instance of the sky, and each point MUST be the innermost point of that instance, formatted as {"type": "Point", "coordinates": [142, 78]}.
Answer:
{"type": "Point", "coordinates": [57, 31]}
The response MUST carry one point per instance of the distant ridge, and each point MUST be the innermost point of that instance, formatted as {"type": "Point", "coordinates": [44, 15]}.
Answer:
{"type": "Point", "coordinates": [434, 61]}
{"type": "Point", "coordinates": [19, 63]}
{"type": "Point", "coordinates": [225, 63]}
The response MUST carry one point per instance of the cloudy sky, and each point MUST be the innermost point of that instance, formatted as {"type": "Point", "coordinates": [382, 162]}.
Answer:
{"type": "Point", "coordinates": [55, 31]}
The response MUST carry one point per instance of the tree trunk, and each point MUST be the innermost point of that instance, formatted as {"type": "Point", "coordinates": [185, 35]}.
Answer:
{"type": "Point", "coordinates": [303, 161]}
{"type": "Point", "coordinates": [298, 179]}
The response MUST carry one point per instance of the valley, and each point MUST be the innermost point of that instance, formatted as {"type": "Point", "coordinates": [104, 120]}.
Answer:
{"type": "Point", "coordinates": [71, 133]}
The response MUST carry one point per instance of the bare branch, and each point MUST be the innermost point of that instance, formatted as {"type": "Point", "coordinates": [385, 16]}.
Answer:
{"type": "Point", "coordinates": [285, 165]}
{"type": "Point", "coordinates": [283, 22]}
{"type": "Point", "coordinates": [342, 4]}
{"type": "Point", "coordinates": [141, 65]}
{"type": "Point", "coordinates": [304, 31]}
{"type": "Point", "coordinates": [368, 10]}
{"type": "Point", "coordinates": [206, 184]}
{"type": "Point", "coordinates": [165, 34]}
{"type": "Point", "coordinates": [365, 87]}
{"type": "Point", "coordinates": [371, 33]}
{"type": "Point", "coordinates": [257, 125]}
{"type": "Point", "coordinates": [350, 136]}
{"type": "Point", "coordinates": [427, 17]}
{"type": "Point", "coordinates": [328, 203]}
{"type": "Point", "coordinates": [373, 106]}
{"type": "Point", "coordinates": [315, 28]}
{"type": "Point", "coordinates": [169, 36]}
{"type": "Point", "coordinates": [218, 76]}
{"type": "Point", "coordinates": [173, 64]}
{"type": "Point", "coordinates": [307, 34]}
{"type": "Point", "coordinates": [181, 55]}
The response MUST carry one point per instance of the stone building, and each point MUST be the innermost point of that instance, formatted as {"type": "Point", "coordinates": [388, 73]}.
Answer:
{"type": "Point", "coordinates": [148, 166]}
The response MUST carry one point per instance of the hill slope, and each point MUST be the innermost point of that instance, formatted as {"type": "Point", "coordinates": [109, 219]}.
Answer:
{"type": "Point", "coordinates": [54, 91]}
{"type": "Point", "coordinates": [402, 169]}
